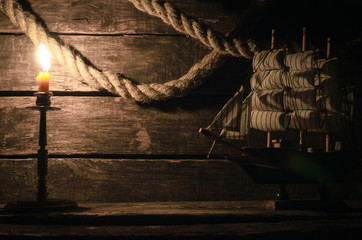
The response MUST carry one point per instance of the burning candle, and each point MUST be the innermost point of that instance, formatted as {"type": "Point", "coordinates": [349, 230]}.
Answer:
{"type": "Point", "coordinates": [43, 77]}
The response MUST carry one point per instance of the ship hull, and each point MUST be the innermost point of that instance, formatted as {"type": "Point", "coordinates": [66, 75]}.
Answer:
{"type": "Point", "coordinates": [287, 166]}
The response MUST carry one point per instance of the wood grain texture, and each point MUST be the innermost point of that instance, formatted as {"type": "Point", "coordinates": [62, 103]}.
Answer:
{"type": "Point", "coordinates": [108, 125]}
{"type": "Point", "coordinates": [145, 59]}
{"type": "Point", "coordinates": [177, 213]}
{"type": "Point", "coordinates": [283, 230]}
{"type": "Point", "coordinates": [115, 36]}
{"type": "Point", "coordinates": [121, 17]}
{"type": "Point", "coordinates": [119, 180]}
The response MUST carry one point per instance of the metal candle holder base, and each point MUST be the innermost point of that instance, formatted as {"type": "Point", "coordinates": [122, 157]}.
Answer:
{"type": "Point", "coordinates": [42, 204]}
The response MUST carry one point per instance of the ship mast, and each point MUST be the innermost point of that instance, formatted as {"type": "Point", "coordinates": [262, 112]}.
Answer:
{"type": "Point", "coordinates": [328, 54]}
{"type": "Point", "coordinates": [272, 39]}
{"type": "Point", "coordinates": [304, 43]}
{"type": "Point", "coordinates": [268, 141]}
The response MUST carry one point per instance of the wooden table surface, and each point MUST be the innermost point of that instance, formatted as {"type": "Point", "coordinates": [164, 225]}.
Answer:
{"type": "Point", "coordinates": [183, 220]}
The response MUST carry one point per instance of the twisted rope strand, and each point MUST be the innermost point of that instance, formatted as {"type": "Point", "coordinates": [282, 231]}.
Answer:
{"type": "Point", "coordinates": [192, 27]}
{"type": "Point", "coordinates": [118, 84]}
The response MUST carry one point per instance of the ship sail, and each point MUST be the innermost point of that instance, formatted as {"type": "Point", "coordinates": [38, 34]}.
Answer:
{"type": "Point", "coordinates": [290, 93]}
{"type": "Point", "coordinates": [233, 118]}
{"type": "Point", "coordinates": [267, 96]}
{"type": "Point", "coordinates": [287, 91]}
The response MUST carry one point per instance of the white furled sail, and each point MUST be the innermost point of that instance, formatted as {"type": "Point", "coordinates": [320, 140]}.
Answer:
{"type": "Point", "coordinates": [300, 61]}
{"type": "Point", "coordinates": [297, 99]}
{"type": "Point", "coordinates": [301, 79]}
{"type": "Point", "coordinates": [336, 107]}
{"type": "Point", "coordinates": [328, 76]}
{"type": "Point", "coordinates": [267, 100]}
{"type": "Point", "coordinates": [305, 120]}
{"type": "Point", "coordinates": [269, 120]}
{"type": "Point", "coordinates": [297, 89]}
{"type": "Point", "coordinates": [268, 60]}
{"type": "Point", "coordinates": [268, 80]}
{"type": "Point", "coordinates": [268, 83]}
{"type": "Point", "coordinates": [328, 68]}
{"type": "Point", "coordinates": [300, 99]}
{"type": "Point", "coordinates": [288, 91]}
{"type": "Point", "coordinates": [327, 103]}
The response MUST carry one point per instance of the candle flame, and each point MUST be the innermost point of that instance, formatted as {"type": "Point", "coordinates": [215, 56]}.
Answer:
{"type": "Point", "coordinates": [44, 59]}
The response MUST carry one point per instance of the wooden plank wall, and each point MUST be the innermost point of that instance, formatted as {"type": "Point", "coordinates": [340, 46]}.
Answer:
{"type": "Point", "coordinates": [101, 147]}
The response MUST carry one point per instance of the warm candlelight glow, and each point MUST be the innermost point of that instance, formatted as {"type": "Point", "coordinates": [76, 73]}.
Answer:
{"type": "Point", "coordinates": [44, 59]}
{"type": "Point", "coordinates": [43, 77]}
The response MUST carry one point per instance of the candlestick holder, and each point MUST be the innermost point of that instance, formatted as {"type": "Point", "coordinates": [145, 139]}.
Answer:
{"type": "Point", "coordinates": [42, 203]}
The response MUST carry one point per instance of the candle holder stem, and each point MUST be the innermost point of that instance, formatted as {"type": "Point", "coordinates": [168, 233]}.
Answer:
{"type": "Point", "coordinates": [42, 158]}
{"type": "Point", "coordinates": [42, 204]}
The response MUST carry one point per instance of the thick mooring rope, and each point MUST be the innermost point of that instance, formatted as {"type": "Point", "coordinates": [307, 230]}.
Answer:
{"type": "Point", "coordinates": [192, 27]}
{"type": "Point", "coordinates": [118, 84]}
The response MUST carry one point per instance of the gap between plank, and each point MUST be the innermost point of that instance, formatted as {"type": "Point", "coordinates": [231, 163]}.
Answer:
{"type": "Point", "coordinates": [103, 34]}
{"type": "Point", "coordinates": [120, 156]}
{"type": "Point", "coordinates": [102, 94]}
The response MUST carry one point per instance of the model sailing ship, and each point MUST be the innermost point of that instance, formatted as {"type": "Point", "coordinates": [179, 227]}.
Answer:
{"type": "Point", "coordinates": [290, 92]}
